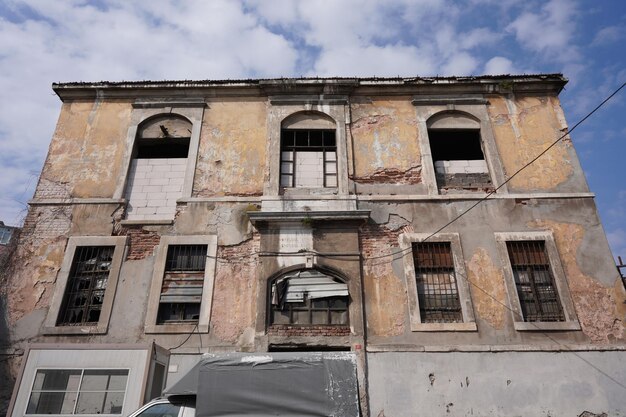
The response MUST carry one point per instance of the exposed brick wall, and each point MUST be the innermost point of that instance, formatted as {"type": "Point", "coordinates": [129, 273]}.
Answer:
{"type": "Point", "coordinates": [141, 243]}
{"type": "Point", "coordinates": [234, 294]}
{"type": "Point", "coordinates": [383, 288]}
{"type": "Point", "coordinates": [377, 240]}
{"type": "Point", "coordinates": [412, 175]}
{"type": "Point", "coordinates": [52, 189]}
{"type": "Point", "coordinates": [319, 330]}
{"type": "Point", "coordinates": [45, 223]}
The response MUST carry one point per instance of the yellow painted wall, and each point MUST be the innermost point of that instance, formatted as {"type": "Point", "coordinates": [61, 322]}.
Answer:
{"type": "Point", "coordinates": [233, 141]}
{"type": "Point", "coordinates": [385, 135]}
{"type": "Point", "coordinates": [525, 126]}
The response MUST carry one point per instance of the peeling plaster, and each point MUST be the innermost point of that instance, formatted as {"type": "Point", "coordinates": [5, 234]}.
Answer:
{"type": "Point", "coordinates": [523, 128]}
{"type": "Point", "coordinates": [385, 137]}
{"type": "Point", "coordinates": [489, 304]}
{"type": "Point", "coordinates": [601, 310]}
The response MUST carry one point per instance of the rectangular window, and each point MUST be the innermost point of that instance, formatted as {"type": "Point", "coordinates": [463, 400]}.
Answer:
{"type": "Point", "coordinates": [86, 285]}
{"type": "Point", "coordinates": [308, 158]}
{"type": "Point", "coordinates": [183, 280]}
{"type": "Point", "coordinates": [534, 280]}
{"type": "Point", "coordinates": [437, 290]}
{"type": "Point", "coordinates": [78, 391]}
{"type": "Point", "coordinates": [459, 159]}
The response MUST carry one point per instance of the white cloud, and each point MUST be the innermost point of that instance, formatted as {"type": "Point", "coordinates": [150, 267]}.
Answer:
{"type": "Point", "coordinates": [608, 35]}
{"type": "Point", "coordinates": [549, 31]}
{"type": "Point", "coordinates": [499, 65]}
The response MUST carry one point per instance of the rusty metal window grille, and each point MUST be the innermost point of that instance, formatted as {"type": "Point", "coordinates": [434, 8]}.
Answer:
{"type": "Point", "coordinates": [534, 280]}
{"type": "Point", "coordinates": [181, 292]}
{"type": "Point", "coordinates": [86, 286]}
{"type": "Point", "coordinates": [437, 289]}
{"type": "Point", "coordinates": [309, 297]}
{"type": "Point", "coordinates": [308, 158]}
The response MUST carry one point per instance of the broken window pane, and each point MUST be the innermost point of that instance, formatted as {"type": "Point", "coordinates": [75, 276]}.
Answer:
{"type": "Point", "coordinates": [87, 280]}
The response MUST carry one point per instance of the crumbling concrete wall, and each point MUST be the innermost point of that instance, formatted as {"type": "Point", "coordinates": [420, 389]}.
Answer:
{"type": "Point", "coordinates": [231, 159]}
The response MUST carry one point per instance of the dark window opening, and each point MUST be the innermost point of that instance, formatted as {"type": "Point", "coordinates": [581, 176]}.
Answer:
{"type": "Point", "coordinates": [535, 284]}
{"type": "Point", "coordinates": [308, 158]}
{"type": "Point", "coordinates": [86, 286]}
{"type": "Point", "coordinates": [437, 289]}
{"type": "Point", "coordinates": [309, 298]}
{"type": "Point", "coordinates": [159, 148]}
{"type": "Point", "coordinates": [455, 145]}
{"type": "Point", "coordinates": [181, 292]}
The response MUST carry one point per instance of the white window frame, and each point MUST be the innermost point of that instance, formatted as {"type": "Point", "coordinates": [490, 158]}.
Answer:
{"type": "Point", "coordinates": [50, 325]}
{"type": "Point", "coordinates": [406, 241]}
{"type": "Point", "coordinates": [202, 326]}
{"type": "Point", "coordinates": [82, 373]}
{"type": "Point", "coordinates": [560, 280]}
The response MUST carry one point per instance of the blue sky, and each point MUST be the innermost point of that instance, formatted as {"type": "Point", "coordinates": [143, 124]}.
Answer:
{"type": "Point", "coordinates": [43, 41]}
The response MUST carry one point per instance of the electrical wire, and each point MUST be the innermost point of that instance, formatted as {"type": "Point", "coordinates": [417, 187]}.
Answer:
{"type": "Point", "coordinates": [516, 313]}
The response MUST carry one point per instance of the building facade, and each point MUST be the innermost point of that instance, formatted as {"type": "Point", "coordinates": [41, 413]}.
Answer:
{"type": "Point", "coordinates": [386, 217]}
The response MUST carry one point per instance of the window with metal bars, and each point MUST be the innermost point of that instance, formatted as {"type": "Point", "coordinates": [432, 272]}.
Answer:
{"type": "Point", "coordinates": [437, 290]}
{"type": "Point", "coordinates": [308, 158]}
{"type": "Point", "coordinates": [536, 289]}
{"type": "Point", "coordinates": [181, 292]}
{"type": "Point", "coordinates": [86, 286]}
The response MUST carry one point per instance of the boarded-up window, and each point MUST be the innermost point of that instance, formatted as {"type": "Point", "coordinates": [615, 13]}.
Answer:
{"type": "Point", "coordinates": [86, 285]}
{"type": "Point", "coordinates": [309, 298]}
{"type": "Point", "coordinates": [437, 289]}
{"type": "Point", "coordinates": [181, 293]}
{"type": "Point", "coordinates": [308, 158]}
{"type": "Point", "coordinates": [536, 289]}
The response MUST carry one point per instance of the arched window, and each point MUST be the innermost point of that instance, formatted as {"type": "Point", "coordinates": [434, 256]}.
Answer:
{"type": "Point", "coordinates": [308, 297]}
{"type": "Point", "coordinates": [308, 157]}
{"type": "Point", "coordinates": [157, 170]}
{"type": "Point", "coordinates": [457, 152]}
{"type": "Point", "coordinates": [165, 136]}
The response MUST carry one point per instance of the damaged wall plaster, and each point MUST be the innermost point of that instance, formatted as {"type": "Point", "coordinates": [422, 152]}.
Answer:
{"type": "Point", "coordinates": [523, 128]}
{"type": "Point", "coordinates": [232, 150]}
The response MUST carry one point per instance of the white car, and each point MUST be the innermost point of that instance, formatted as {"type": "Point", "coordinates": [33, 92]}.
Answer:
{"type": "Point", "coordinates": [162, 407]}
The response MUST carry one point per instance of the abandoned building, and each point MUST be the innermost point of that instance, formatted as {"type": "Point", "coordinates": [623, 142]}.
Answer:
{"type": "Point", "coordinates": [384, 218]}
